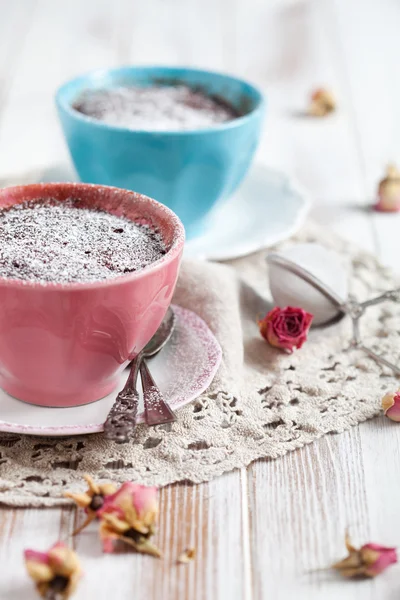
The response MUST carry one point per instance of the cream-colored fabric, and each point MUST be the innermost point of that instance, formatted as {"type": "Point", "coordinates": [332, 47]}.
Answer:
{"type": "Point", "coordinates": [262, 403]}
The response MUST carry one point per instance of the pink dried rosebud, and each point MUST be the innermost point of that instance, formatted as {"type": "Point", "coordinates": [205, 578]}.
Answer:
{"type": "Point", "coordinates": [130, 515]}
{"type": "Point", "coordinates": [286, 328]}
{"type": "Point", "coordinates": [55, 572]}
{"type": "Point", "coordinates": [91, 500]}
{"type": "Point", "coordinates": [389, 191]}
{"type": "Point", "coordinates": [368, 561]}
{"type": "Point", "coordinates": [391, 406]}
{"type": "Point", "coordinates": [322, 103]}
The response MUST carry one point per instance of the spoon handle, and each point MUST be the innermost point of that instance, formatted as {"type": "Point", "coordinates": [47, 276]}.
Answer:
{"type": "Point", "coordinates": [157, 411]}
{"type": "Point", "coordinates": [121, 419]}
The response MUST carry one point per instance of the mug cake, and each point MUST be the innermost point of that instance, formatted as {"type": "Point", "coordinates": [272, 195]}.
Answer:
{"type": "Point", "coordinates": [87, 274]}
{"type": "Point", "coordinates": [183, 136]}
{"type": "Point", "coordinates": [49, 241]}
{"type": "Point", "coordinates": [156, 107]}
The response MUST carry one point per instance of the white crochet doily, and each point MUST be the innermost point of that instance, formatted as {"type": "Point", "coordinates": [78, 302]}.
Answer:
{"type": "Point", "coordinates": [262, 402]}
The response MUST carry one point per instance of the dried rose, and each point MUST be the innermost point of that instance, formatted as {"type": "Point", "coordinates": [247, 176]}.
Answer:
{"type": "Point", "coordinates": [91, 500]}
{"type": "Point", "coordinates": [130, 515]}
{"type": "Point", "coordinates": [368, 561]}
{"type": "Point", "coordinates": [55, 572]}
{"type": "Point", "coordinates": [391, 406]}
{"type": "Point", "coordinates": [187, 556]}
{"type": "Point", "coordinates": [322, 103]}
{"type": "Point", "coordinates": [286, 328]}
{"type": "Point", "coordinates": [389, 191]}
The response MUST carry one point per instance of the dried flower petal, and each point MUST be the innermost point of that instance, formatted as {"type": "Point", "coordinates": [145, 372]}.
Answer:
{"type": "Point", "coordinates": [391, 406]}
{"type": "Point", "coordinates": [286, 328]}
{"type": "Point", "coordinates": [91, 500]}
{"type": "Point", "coordinates": [322, 103]}
{"type": "Point", "coordinates": [368, 561]}
{"type": "Point", "coordinates": [389, 191]}
{"type": "Point", "coordinates": [130, 515]}
{"type": "Point", "coordinates": [187, 556]}
{"type": "Point", "coordinates": [55, 572]}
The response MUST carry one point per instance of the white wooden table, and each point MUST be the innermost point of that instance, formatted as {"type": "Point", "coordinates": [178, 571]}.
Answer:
{"type": "Point", "coordinates": [258, 532]}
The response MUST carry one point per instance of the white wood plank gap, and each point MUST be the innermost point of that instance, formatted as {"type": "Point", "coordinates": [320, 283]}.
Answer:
{"type": "Point", "coordinates": [247, 574]}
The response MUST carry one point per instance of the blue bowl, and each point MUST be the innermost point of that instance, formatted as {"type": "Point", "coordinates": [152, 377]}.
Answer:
{"type": "Point", "coordinates": [189, 171]}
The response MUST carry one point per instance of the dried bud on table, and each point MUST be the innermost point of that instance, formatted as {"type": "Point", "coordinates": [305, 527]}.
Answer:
{"type": "Point", "coordinates": [91, 500]}
{"type": "Point", "coordinates": [55, 572]}
{"type": "Point", "coordinates": [389, 191]}
{"type": "Point", "coordinates": [187, 556]}
{"type": "Point", "coordinates": [391, 406]}
{"type": "Point", "coordinates": [368, 561]}
{"type": "Point", "coordinates": [322, 103]}
{"type": "Point", "coordinates": [130, 516]}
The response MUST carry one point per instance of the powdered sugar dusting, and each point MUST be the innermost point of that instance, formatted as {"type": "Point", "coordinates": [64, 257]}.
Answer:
{"type": "Point", "coordinates": [50, 241]}
{"type": "Point", "coordinates": [155, 108]}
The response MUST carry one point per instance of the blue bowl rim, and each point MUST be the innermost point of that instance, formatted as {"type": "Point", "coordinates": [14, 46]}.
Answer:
{"type": "Point", "coordinates": [233, 124]}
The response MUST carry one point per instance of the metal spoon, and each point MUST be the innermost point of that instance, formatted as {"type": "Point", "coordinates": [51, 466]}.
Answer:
{"type": "Point", "coordinates": [157, 411]}
{"type": "Point", "coordinates": [121, 419]}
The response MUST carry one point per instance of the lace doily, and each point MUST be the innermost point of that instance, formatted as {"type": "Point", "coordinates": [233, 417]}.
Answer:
{"type": "Point", "coordinates": [262, 402]}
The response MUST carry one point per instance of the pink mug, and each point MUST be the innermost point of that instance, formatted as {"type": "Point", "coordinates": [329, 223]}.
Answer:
{"type": "Point", "coordinates": [65, 344]}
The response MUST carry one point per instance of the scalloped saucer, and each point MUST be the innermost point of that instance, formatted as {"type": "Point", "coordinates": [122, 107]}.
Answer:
{"type": "Point", "coordinates": [267, 208]}
{"type": "Point", "coordinates": [182, 370]}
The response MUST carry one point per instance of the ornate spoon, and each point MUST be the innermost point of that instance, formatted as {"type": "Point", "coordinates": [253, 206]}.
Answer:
{"type": "Point", "coordinates": [121, 419]}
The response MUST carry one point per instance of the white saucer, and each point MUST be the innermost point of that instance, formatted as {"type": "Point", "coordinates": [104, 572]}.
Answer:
{"type": "Point", "coordinates": [182, 370]}
{"type": "Point", "coordinates": [267, 209]}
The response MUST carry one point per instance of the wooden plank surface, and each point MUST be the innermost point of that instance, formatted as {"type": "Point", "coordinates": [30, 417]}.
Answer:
{"type": "Point", "coordinates": [263, 532]}
{"type": "Point", "coordinates": [207, 517]}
